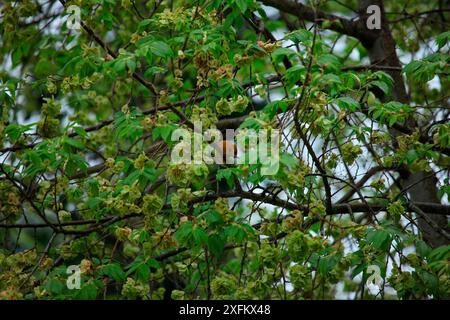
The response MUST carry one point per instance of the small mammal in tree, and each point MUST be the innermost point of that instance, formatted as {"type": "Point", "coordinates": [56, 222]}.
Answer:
{"type": "Point", "coordinates": [228, 150]}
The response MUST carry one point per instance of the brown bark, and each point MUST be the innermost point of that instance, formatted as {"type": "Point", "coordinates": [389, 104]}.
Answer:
{"type": "Point", "coordinates": [424, 185]}
{"type": "Point", "coordinates": [381, 47]}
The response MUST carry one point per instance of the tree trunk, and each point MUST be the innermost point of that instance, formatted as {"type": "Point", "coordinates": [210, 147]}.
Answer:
{"type": "Point", "coordinates": [382, 51]}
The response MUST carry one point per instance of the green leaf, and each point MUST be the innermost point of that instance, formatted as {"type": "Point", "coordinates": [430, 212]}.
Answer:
{"type": "Point", "coordinates": [392, 120]}
{"type": "Point", "coordinates": [413, 66]}
{"type": "Point", "coordinates": [36, 163]}
{"type": "Point", "coordinates": [143, 272]}
{"type": "Point", "coordinates": [14, 131]}
{"type": "Point", "coordinates": [250, 123]}
{"type": "Point", "coordinates": [216, 245]}
{"type": "Point", "coordinates": [300, 36]}
{"type": "Point", "coordinates": [165, 132]}
{"type": "Point", "coordinates": [440, 253]}
{"type": "Point", "coordinates": [184, 232]}
{"type": "Point", "coordinates": [442, 39]}
{"type": "Point", "coordinates": [143, 24]}
{"type": "Point", "coordinates": [119, 65]}
{"type": "Point", "coordinates": [242, 5]}
{"type": "Point", "coordinates": [423, 249]}
{"type": "Point", "coordinates": [420, 70]}
{"type": "Point", "coordinates": [235, 233]}
{"type": "Point", "coordinates": [330, 61]}
{"type": "Point", "coordinates": [295, 73]}
{"type": "Point", "coordinates": [411, 156]}
{"type": "Point", "coordinates": [326, 264]}
{"type": "Point", "coordinates": [75, 163]}
{"type": "Point", "coordinates": [132, 177]}
{"type": "Point", "coordinates": [131, 65]}
{"type": "Point", "coordinates": [93, 187]}
{"type": "Point", "coordinates": [347, 103]}
{"type": "Point", "coordinates": [93, 202]}
{"type": "Point", "coordinates": [272, 108]}
{"type": "Point", "coordinates": [54, 286]}
{"type": "Point", "coordinates": [359, 268]}
{"type": "Point", "coordinates": [200, 236]}
{"type": "Point", "coordinates": [381, 85]}
{"type": "Point", "coordinates": [380, 239]}
{"type": "Point", "coordinates": [113, 271]}
{"type": "Point", "coordinates": [384, 77]}
{"type": "Point", "coordinates": [152, 263]}
{"type": "Point", "coordinates": [73, 142]}
{"type": "Point", "coordinates": [226, 174]}
{"type": "Point", "coordinates": [87, 292]}
{"type": "Point", "coordinates": [152, 71]}
{"type": "Point", "coordinates": [213, 218]}
{"type": "Point", "coordinates": [280, 53]}
{"type": "Point", "coordinates": [289, 160]}
{"type": "Point", "coordinates": [80, 131]}
{"type": "Point", "coordinates": [161, 49]}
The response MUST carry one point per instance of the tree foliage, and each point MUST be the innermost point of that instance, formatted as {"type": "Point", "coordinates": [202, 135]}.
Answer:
{"type": "Point", "coordinates": [86, 178]}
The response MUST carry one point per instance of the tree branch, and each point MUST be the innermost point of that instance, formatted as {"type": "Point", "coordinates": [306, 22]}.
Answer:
{"type": "Point", "coordinates": [356, 29]}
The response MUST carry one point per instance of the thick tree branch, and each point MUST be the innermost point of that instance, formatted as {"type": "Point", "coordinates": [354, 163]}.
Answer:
{"type": "Point", "coordinates": [340, 208]}
{"type": "Point", "coordinates": [342, 25]}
